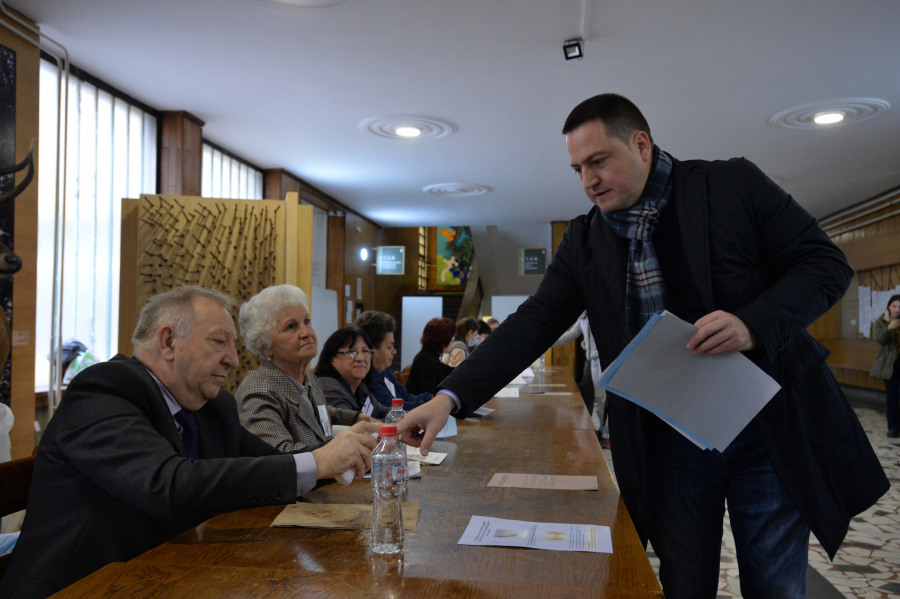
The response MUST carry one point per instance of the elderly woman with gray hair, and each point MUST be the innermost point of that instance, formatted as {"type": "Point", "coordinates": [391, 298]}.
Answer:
{"type": "Point", "coordinates": [281, 402]}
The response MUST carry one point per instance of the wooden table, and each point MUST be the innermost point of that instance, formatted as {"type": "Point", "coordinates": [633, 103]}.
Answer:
{"type": "Point", "coordinates": [238, 555]}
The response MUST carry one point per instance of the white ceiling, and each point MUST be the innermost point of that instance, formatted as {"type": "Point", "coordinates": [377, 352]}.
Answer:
{"type": "Point", "coordinates": [287, 87]}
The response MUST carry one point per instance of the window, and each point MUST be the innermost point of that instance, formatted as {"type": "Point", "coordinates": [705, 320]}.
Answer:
{"type": "Point", "coordinates": [224, 175]}
{"type": "Point", "coordinates": [110, 154]}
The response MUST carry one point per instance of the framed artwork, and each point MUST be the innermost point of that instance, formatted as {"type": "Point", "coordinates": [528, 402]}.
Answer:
{"type": "Point", "coordinates": [454, 250]}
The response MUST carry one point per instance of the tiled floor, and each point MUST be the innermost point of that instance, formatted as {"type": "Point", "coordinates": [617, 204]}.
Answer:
{"type": "Point", "coordinates": [868, 563]}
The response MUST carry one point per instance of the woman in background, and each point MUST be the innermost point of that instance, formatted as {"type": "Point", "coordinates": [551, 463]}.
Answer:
{"type": "Point", "coordinates": [427, 370]}
{"type": "Point", "coordinates": [466, 332]}
{"type": "Point", "coordinates": [887, 367]}
{"type": "Point", "coordinates": [281, 402]}
{"type": "Point", "coordinates": [379, 328]}
{"type": "Point", "coordinates": [343, 369]}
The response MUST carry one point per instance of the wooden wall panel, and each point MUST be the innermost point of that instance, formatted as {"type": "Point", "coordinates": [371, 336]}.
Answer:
{"type": "Point", "coordinates": [334, 278]}
{"type": "Point", "coordinates": [26, 223]}
{"type": "Point", "coordinates": [359, 233]}
{"type": "Point", "coordinates": [390, 289]}
{"type": "Point", "coordinates": [128, 276]}
{"type": "Point", "coordinates": [563, 356]}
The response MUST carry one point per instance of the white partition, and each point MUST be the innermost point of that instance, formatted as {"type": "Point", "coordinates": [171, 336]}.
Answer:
{"type": "Point", "coordinates": [504, 305]}
{"type": "Point", "coordinates": [324, 313]}
{"type": "Point", "coordinates": [417, 311]}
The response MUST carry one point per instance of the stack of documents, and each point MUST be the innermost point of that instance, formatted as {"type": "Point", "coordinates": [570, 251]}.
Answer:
{"type": "Point", "coordinates": [708, 399]}
{"type": "Point", "coordinates": [537, 535]}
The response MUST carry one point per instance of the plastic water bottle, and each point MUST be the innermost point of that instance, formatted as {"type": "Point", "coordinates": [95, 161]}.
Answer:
{"type": "Point", "coordinates": [388, 470]}
{"type": "Point", "coordinates": [394, 417]}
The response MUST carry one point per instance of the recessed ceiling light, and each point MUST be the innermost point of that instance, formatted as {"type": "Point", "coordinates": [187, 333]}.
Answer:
{"type": "Point", "coordinates": [401, 126]}
{"type": "Point", "coordinates": [307, 3]}
{"type": "Point", "coordinates": [827, 118]}
{"type": "Point", "coordinates": [842, 110]}
{"type": "Point", "coordinates": [457, 189]}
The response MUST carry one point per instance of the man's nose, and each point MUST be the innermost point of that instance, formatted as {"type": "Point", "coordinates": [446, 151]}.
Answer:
{"type": "Point", "coordinates": [230, 358]}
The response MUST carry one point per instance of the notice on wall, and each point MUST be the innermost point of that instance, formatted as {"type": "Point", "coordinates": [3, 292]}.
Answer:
{"type": "Point", "coordinates": [499, 532]}
{"type": "Point", "coordinates": [532, 261]}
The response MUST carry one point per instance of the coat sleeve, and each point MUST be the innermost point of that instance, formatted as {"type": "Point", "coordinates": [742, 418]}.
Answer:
{"type": "Point", "coordinates": [336, 395]}
{"type": "Point", "coordinates": [811, 274]}
{"type": "Point", "coordinates": [524, 335]}
{"type": "Point", "coordinates": [113, 443]}
{"type": "Point", "coordinates": [342, 417]}
{"type": "Point", "coordinates": [882, 335]}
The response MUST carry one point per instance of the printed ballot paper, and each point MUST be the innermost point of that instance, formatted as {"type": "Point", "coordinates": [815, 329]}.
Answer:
{"type": "Point", "coordinates": [449, 429]}
{"type": "Point", "coordinates": [544, 481]}
{"type": "Point", "coordinates": [434, 458]}
{"type": "Point", "coordinates": [482, 411]}
{"type": "Point", "coordinates": [508, 392]}
{"type": "Point", "coordinates": [708, 399]}
{"type": "Point", "coordinates": [498, 532]}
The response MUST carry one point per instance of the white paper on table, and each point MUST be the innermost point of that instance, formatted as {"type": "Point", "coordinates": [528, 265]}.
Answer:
{"type": "Point", "coordinates": [528, 373]}
{"type": "Point", "coordinates": [499, 532]}
{"type": "Point", "coordinates": [709, 399]}
{"type": "Point", "coordinates": [483, 411]}
{"type": "Point", "coordinates": [508, 392]}
{"type": "Point", "coordinates": [552, 393]}
{"type": "Point", "coordinates": [517, 381]}
{"type": "Point", "coordinates": [434, 458]}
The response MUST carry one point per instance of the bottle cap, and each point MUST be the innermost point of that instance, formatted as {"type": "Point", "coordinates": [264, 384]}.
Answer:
{"type": "Point", "coordinates": [388, 430]}
{"type": "Point", "coordinates": [396, 403]}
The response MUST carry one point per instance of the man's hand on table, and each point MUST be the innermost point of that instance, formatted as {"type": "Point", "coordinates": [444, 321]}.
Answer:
{"type": "Point", "coordinates": [721, 332]}
{"type": "Point", "coordinates": [429, 417]}
{"type": "Point", "coordinates": [350, 450]}
{"type": "Point", "coordinates": [363, 417]}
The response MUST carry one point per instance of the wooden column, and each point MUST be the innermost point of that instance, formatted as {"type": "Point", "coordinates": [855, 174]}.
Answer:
{"type": "Point", "coordinates": [334, 278]}
{"type": "Point", "coordinates": [181, 155]}
{"type": "Point", "coordinates": [564, 355]}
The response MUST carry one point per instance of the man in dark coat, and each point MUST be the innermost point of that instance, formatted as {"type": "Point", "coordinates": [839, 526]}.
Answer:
{"type": "Point", "coordinates": [142, 449]}
{"type": "Point", "coordinates": [719, 245]}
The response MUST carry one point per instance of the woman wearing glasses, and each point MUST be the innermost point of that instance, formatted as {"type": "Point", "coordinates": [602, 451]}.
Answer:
{"type": "Point", "coordinates": [281, 401]}
{"type": "Point", "coordinates": [343, 369]}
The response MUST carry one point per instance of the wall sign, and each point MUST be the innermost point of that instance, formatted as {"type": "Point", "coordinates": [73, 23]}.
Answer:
{"type": "Point", "coordinates": [532, 261]}
{"type": "Point", "coordinates": [390, 260]}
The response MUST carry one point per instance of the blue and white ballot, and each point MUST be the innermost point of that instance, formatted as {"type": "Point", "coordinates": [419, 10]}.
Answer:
{"type": "Point", "coordinates": [708, 399]}
{"type": "Point", "coordinates": [498, 532]}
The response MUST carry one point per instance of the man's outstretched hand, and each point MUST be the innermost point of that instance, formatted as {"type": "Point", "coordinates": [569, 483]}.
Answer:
{"type": "Point", "coordinates": [430, 417]}
{"type": "Point", "coordinates": [721, 332]}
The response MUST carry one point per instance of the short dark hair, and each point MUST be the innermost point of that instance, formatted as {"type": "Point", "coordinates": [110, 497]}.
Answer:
{"type": "Point", "coordinates": [619, 116]}
{"type": "Point", "coordinates": [340, 339]}
{"type": "Point", "coordinates": [484, 328]}
{"type": "Point", "coordinates": [464, 326]}
{"type": "Point", "coordinates": [437, 334]}
{"type": "Point", "coordinates": [893, 299]}
{"type": "Point", "coordinates": [376, 325]}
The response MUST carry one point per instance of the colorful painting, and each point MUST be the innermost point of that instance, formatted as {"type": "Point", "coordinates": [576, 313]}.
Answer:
{"type": "Point", "coordinates": [455, 250]}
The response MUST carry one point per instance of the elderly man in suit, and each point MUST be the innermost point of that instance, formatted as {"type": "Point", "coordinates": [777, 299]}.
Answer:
{"type": "Point", "coordinates": [719, 245]}
{"type": "Point", "coordinates": [142, 449]}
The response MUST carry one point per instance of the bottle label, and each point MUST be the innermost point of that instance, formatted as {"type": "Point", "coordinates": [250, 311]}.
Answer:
{"type": "Point", "coordinates": [397, 472]}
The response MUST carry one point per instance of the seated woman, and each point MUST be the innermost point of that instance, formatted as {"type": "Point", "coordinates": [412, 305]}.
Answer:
{"type": "Point", "coordinates": [466, 332]}
{"type": "Point", "coordinates": [427, 370]}
{"type": "Point", "coordinates": [379, 328]}
{"type": "Point", "coordinates": [281, 402]}
{"type": "Point", "coordinates": [342, 369]}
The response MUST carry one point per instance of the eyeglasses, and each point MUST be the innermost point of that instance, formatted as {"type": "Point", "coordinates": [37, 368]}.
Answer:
{"type": "Point", "coordinates": [352, 353]}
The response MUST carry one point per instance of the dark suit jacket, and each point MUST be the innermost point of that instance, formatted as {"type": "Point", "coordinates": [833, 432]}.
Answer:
{"type": "Point", "coordinates": [111, 481]}
{"type": "Point", "coordinates": [426, 371]}
{"type": "Point", "coordinates": [754, 252]}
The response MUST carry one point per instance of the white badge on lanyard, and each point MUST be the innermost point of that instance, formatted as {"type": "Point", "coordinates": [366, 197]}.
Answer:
{"type": "Point", "coordinates": [324, 420]}
{"type": "Point", "coordinates": [368, 408]}
{"type": "Point", "coordinates": [390, 387]}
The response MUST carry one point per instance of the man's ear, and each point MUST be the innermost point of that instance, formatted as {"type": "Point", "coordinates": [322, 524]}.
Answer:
{"type": "Point", "coordinates": [165, 341]}
{"type": "Point", "coordinates": [645, 147]}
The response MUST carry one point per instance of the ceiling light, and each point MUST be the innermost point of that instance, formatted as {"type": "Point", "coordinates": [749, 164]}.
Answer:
{"type": "Point", "coordinates": [408, 131]}
{"type": "Point", "coordinates": [364, 254]}
{"type": "Point", "coordinates": [572, 49]}
{"type": "Point", "coordinates": [827, 118]}
{"type": "Point", "coordinates": [457, 189]}
{"type": "Point", "coordinates": [405, 126]}
{"type": "Point", "coordinates": [307, 3]}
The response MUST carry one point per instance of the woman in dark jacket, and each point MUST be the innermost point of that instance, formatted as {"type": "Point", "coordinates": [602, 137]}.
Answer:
{"type": "Point", "coordinates": [887, 367]}
{"type": "Point", "coordinates": [427, 370]}
{"type": "Point", "coordinates": [344, 365]}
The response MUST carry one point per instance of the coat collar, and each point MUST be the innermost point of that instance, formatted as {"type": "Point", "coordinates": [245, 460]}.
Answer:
{"type": "Point", "coordinates": [281, 383]}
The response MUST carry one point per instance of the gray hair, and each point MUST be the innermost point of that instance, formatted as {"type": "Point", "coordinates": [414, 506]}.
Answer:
{"type": "Point", "coordinates": [174, 308]}
{"type": "Point", "coordinates": [258, 315]}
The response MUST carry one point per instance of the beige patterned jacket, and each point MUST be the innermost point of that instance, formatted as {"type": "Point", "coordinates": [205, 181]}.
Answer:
{"type": "Point", "coordinates": [273, 409]}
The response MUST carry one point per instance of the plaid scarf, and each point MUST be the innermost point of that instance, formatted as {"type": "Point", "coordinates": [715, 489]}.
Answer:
{"type": "Point", "coordinates": [645, 290]}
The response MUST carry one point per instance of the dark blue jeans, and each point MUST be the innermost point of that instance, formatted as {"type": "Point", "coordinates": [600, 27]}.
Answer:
{"type": "Point", "coordinates": [892, 386]}
{"type": "Point", "coordinates": [689, 489]}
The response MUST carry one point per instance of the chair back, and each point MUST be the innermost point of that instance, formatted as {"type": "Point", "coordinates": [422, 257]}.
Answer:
{"type": "Point", "coordinates": [15, 480]}
{"type": "Point", "coordinates": [402, 377]}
